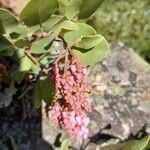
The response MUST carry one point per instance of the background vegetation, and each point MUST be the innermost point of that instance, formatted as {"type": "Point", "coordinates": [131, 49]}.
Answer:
{"type": "Point", "coordinates": [127, 21]}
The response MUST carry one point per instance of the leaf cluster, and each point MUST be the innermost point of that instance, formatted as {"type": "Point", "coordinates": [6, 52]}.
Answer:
{"type": "Point", "coordinates": [30, 37]}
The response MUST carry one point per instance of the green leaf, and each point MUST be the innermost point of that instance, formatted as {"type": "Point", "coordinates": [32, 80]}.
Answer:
{"type": "Point", "coordinates": [94, 55]}
{"type": "Point", "coordinates": [19, 32]}
{"type": "Point", "coordinates": [9, 24]}
{"type": "Point", "coordinates": [65, 26]}
{"type": "Point", "coordinates": [60, 28]}
{"type": "Point", "coordinates": [7, 52]}
{"type": "Point", "coordinates": [37, 97]}
{"type": "Point", "coordinates": [88, 8]}
{"type": "Point", "coordinates": [65, 144]}
{"type": "Point", "coordinates": [131, 145]}
{"type": "Point", "coordinates": [21, 43]}
{"type": "Point", "coordinates": [85, 38]}
{"type": "Point", "coordinates": [70, 8]}
{"type": "Point", "coordinates": [20, 53]}
{"type": "Point", "coordinates": [25, 64]}
{"type": "Point", "coordinates": [47, 25]}
{"type": "Point", "coordinates": [141, 144]}
{"type": "Point", "coordinates": [88, 42]}
{"type": "Point", "coordinates": [43, 90]}
{"type": "Point", "coordinates": [8, 21]}
{"type": "Point", "coordinates": [47, 90]}
{"type": "Point", "coordinates": [40, 46]}
{"type": "Point", "coordinates": [83, 30]}
{"type": "Point", "coordinates": [6, 47]}
{"type": "Point", "coordinates": [4, 43]}
{"type": "Point", "coordinates": [19, 76]}
{"type": "Point", "coordinates": [24, 67]}
{"type": "Point", "coordinates": [38, 11]}
{"type": "Point", "coordinates": [51, 22]}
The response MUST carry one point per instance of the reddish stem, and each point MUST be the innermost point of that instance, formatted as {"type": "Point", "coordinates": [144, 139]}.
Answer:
{"type": "Point", "coordinates": [66, 63]}
{"type": "Point", "coordinates": [59, 58]}
{"type": "Point", "coordinates": [36, 62]}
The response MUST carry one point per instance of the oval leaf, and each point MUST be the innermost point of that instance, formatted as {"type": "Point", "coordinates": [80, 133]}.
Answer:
{"type": "Point", "coordinates": [18, 76]}
{"type": "Point", "coordinates": [51, 22]}
{"type": "Point", "coordinates": [83, 30]}
{"type": "Point", "coordinates": [142, 144]}
{"type": "Point", "coordinates": [4, 43]}
{"type": "Point", "coordinates": [47, 90]}
{"type": "Point", "coordinates": [43, 90]}
{"type": "Point", "coordinates": [22, 43]}
{"type": "Point", "coordinates": [19, 32]}
{"type": "Point", "coordinates": [65, 144]}
{"type": "Point", "coordinates": [38, 11]}
{"type": "Point", "coordinates": [70, 8]}
{"type": "Point", "coordinates": [7, 52]}
{"type": "Point", "coordinates": [94, 55]}
{"type": "Point", "coordinates": [37, 97]}
{"type": "Point", "coordinates": [6, 48]}
{"type": "Point", "coordinates": [88, 42]}
{"type": "Point", "coordinates": [7, 21]}
{"type": "Point", "coordinates": [67, 26]}
{"type": "Point", "coordinates": [25, 64]}
{"type": "Point", "coordinates": [88, 8]}
{"type": "Point", "coordinates": [39, 46]}
{"type": "Point", "coordinates": [64, 26]}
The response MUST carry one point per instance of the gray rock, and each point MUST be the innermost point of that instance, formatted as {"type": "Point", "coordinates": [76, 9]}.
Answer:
{"type": "Point", "coordinates": [121, 80]}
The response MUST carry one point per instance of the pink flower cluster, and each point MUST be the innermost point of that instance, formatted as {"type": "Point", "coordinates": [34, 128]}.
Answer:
{"type": "Point", "coordinates": [70, 90]}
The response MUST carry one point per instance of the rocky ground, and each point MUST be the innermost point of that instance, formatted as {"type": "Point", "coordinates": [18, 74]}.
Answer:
{"type": "Point", "coordinates": [120, 102]}
{"type": "Point", "coordinates": [121, 106]}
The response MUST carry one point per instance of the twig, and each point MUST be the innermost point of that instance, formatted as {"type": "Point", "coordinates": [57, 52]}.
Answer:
{"type": "Point", "coordinates": [59, 58]}
{"type": "Point", "coordinates": [24, 92]}
{"type": "Point", "coordinates": [66, 63]}
{"type": "Point", "coordinates": [36, 62]}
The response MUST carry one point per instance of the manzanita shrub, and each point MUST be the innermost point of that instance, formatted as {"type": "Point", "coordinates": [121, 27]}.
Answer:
{"type": "Point", "coordinates": [60, 75]}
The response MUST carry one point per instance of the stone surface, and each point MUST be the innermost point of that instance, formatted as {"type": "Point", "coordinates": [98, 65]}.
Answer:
{"type": "Point", "coordinates": [121, 82]}
{"type": "Point", "coordinates": [120, 100]}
